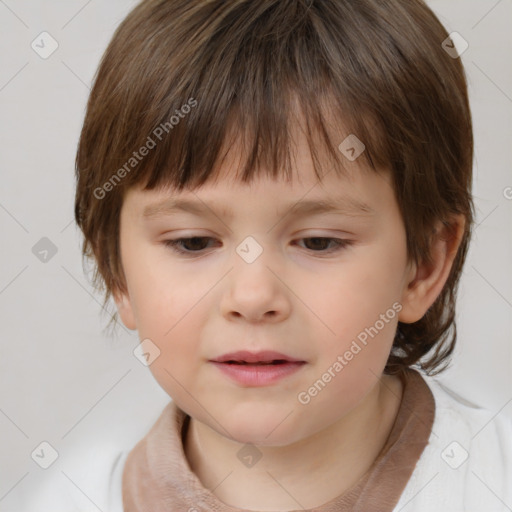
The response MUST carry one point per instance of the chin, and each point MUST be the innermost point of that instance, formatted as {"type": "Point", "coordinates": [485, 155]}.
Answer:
{"type": "Point", "coordinates": [263, 430]}
{"type": "Point", "coordinates": [250, 436]}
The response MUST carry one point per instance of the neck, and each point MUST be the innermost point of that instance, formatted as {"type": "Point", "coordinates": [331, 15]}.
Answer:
{"type": "Point", "coordinates": [338, 456]}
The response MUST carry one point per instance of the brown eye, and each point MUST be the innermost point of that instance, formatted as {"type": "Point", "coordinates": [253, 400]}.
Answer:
{"type": "Point", "coordinates": [197, 244]}
{"type": "Point", "coordinates": [321, 244]}
{"type": "Point", "coordinates": [187, 245]}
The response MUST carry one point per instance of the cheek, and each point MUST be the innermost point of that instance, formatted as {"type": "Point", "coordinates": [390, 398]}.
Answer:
{"type": "Point", "coordinates": [160, 293]}
{"type": "Point", "coordinates": [168, 316]}
{"type": "Point", "coordinates": [360, 308]}
{"type": "Point", "coordinates": [157, 298]}
{"type": "Point", "coordinates": [167, 305]}
{"type": "Point", "coordinates": [169, 319]}
{"type": "Point", "coordinates": [357, 297]}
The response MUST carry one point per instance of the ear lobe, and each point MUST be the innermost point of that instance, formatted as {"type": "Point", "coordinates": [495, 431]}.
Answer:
{"type": "Point", "coordinates": [428, 280]}
{"type": "Point", "coordinates": [125, 310]}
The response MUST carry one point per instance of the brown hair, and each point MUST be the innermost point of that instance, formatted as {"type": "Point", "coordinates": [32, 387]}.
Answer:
{"type": "Point", "coordinates": [179, 76]}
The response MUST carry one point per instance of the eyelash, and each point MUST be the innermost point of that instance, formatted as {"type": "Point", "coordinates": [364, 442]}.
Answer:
{"type": "Point", "coordinates": [174, 245]}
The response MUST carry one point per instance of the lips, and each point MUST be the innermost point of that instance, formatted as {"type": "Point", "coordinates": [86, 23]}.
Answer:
{"type": "Point", "coordinates": [264, 357]}
{"type": "Point", "coordinates": [257, 369]}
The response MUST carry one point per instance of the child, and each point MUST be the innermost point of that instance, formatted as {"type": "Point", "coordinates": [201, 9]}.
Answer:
{"type": "Point", "coordinates": [277, 194]}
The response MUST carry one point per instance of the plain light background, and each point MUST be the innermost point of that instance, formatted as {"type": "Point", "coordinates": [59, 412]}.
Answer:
{"type": "Point", "coordinates": [64, 380]}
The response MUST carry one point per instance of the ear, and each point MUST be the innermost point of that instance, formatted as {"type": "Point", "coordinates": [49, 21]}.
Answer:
{"type": "Point", "coordinates": [125, 309]}
{"type": "Point", "coordinates": [425, 282]}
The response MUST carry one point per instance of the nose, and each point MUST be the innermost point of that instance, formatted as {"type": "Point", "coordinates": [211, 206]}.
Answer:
{"type": "Point", "coordinates": [255, 292]}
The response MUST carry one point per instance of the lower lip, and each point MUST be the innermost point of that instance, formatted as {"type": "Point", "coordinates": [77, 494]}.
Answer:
{"type": "Point", "coordinates": [258, 375]}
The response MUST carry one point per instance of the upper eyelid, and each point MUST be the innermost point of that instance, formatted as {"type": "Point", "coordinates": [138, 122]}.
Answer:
{"type": "Point", "coordinates": [329, 237]}
{"type": "Point", "coordinates": [175, 242]}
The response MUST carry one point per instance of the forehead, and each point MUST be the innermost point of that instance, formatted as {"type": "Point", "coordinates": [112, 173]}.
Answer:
{"type": "Point", "coordinates": [358, 192]}
{"type": "Point", "coordinates": [345, 186]}
{"type": "Point", "coordinates": [307, 159]}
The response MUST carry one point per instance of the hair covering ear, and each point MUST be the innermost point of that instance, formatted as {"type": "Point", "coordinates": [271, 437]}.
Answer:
{"type": "Point", "coordinates": [125, 309]}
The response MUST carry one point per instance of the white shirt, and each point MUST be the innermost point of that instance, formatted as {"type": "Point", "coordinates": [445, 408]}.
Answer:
{"type": "Point", "coordinates": [466, 467]}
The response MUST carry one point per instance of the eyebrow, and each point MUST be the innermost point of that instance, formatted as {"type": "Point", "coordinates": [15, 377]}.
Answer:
{"type": "Point", "coordinates": [347, 206]}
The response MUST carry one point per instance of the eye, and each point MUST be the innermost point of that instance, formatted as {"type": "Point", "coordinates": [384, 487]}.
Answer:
{"type": "Point", "coordinates": [197, 244]}
{"type": "Point", "coordinates": [322, 242]}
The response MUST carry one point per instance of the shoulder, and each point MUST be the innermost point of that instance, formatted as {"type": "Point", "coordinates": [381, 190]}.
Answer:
{"type": "Point", "coordinates": [88, 479]}
{"type": "Point", "coordinates": [87, 475]}
{"type": "Point", "coordinates": [467, 464]}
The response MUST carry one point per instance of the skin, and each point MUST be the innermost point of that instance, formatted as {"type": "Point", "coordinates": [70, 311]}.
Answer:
{"type": "Point", "coordinates": [296, 298]}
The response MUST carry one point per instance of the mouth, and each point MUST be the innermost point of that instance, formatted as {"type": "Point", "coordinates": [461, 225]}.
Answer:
{"type": "Point", "coordinates": [258, 363]}
{"type": "Point", "coordinates": [257, 370]}
{"type": "Point", "coordinates": [261, 358]}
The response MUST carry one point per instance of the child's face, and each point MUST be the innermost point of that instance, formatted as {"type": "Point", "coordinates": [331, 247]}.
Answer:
{"type": "Point", "coordinates": [303, 297]}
